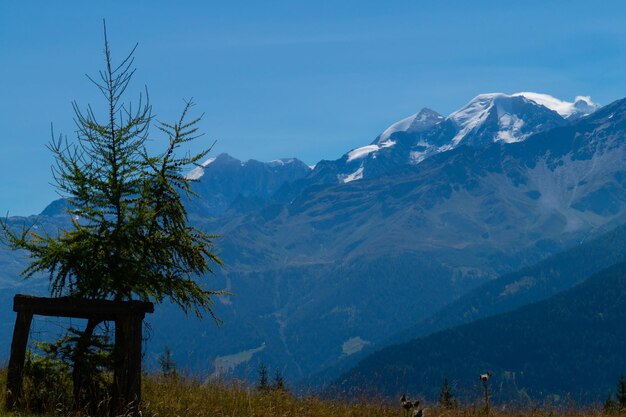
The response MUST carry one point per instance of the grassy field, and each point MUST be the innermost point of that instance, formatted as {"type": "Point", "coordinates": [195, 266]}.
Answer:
{"type": "Point", "coordinates": [186, 397]}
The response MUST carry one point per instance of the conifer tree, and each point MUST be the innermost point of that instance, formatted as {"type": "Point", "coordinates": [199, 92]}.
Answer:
{"type": "Point", "coordinates": [279, 382]}
{"type": "Point", "coordinates": [263, 385]}
{"type": "Point", "coordinates": [167, 364]}
{"type": "Point", "coordinates": [446, 397]}
{"type": "Point", "coordinates": [130, 237]}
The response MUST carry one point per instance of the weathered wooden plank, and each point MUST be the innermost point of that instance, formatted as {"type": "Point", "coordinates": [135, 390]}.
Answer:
{"type": "Point", "coordinates": [16, 361]}
{"type": "Point", "coordinates": [80, 308]}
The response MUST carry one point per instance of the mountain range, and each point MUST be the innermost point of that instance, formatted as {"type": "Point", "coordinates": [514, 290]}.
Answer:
{"type": "Point", "coordinates": [486, 119]}
{"type": "Point", "coordinates": [329, 260]}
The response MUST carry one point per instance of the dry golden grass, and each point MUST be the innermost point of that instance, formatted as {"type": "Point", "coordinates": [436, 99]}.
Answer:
{"type": "Point", "coordinates": [195, 399]}
{"type": "Point", "coordinates": [187, 397]}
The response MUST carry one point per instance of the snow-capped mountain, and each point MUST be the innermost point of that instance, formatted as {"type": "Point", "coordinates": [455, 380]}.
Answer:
{"type": "Point", "coordinates": [487, 118]}
{"type": "Point", "coordinates": [492, 118]}
{"type": "Point", "coordinates": [512, 118]}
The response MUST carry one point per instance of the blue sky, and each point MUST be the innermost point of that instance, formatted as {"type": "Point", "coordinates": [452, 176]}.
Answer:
{"type": "Point", "coordinates": [285, 78]}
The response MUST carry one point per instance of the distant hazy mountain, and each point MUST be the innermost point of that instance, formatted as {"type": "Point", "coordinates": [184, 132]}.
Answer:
{"type": "Point", "coordinates": [548, 277]}
{"type": "Point", "coordinates": [225, 180]}
{"type": "Point", "coordinates": [569, 346]}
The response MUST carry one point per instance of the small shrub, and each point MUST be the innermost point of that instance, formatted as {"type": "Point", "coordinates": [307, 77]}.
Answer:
{"type": "Point", "coordinates": [167, 364]}
{"type": "Point", "coordinates": [610, 405]}
{"type": "Point", "coordinates": [49, 380]}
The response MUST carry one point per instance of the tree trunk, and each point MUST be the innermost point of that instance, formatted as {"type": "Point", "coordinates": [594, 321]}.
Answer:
{"type": "Point", "coordinates": [82, 347]}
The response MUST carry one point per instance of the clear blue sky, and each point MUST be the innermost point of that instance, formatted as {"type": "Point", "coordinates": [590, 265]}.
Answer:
{"type": "Point", "coordinates": [291, 78]}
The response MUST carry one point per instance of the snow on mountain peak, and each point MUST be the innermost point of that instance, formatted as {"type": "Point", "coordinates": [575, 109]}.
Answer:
{"type": "Point", "coordinates": [356, 175]}
{"type": "Point", "coordinates": [363, 151]}
{"type": "Point", "coordinates": [473, 114]}
{"type": "Point", "coordinates": [425, 119]}
{"type": "Point", "coordinates": [281, 162]}
{"type": "Point", "coordinates": [417, 122]}
{"type": "Point", "coordinates": [400, 126]}
{"type": "Point", "coordinates": [511, 118]}
{"type": "Point", "coordinates": [512, 121]}
{"type": "Point", "coordinates": [582, 105]}
{"type": "Point", "coordinates": [198, 172]}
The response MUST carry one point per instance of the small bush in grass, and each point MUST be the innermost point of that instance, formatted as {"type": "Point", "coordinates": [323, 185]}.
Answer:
{"type": "Point", "coordinates": [49, 380]}
{"type": "Point", "coordinates": [167, 364]}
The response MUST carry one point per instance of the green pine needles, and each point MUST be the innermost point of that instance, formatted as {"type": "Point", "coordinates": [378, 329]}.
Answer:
{"type": "Point", "coordinates": [130, 237]}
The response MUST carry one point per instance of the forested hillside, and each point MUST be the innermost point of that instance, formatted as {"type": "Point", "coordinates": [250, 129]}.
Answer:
{"type": "Point", "coordinates": [570, 345]}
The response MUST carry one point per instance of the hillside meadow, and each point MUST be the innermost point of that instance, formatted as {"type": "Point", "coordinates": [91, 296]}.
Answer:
{"type": "Point", "coordinates": [188, 397]}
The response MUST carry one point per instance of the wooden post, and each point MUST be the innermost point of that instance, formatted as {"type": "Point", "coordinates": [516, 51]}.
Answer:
{"type": "Point", "coordinates": [119, 366]}
{"type": "Point", "coordinates": [134, 362]}
{"type": "Point", "coordinates": [486, 395]}
{"type": "Point", "coordinates": [127, 373]}
{"type": "Point", "coordinates": [16, 361]}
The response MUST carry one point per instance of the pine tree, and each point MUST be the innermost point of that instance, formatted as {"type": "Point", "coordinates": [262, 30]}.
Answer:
{"type": "Point", "coordinates": [279, 382]}
{"type": "Point", "coordinates": [167, 364]}
{"type": "Point", "coordinates": [263, 385]}
{"type": "Point", "coordinates": [129, 237]}
{"type": "Point", "coordinates": [446, 397]}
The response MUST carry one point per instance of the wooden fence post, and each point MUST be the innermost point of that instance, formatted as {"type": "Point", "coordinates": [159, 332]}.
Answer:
{"type": "Point", "coordinates": [16, 361]}
{"type": "Point", "coordinates": [127, 373]}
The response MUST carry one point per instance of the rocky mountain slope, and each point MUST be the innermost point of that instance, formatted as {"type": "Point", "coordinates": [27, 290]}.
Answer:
{"type": "Point", "coordinates": [225, 181]}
